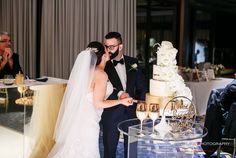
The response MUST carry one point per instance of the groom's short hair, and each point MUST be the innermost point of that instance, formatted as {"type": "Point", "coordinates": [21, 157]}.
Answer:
{"type": "Point", "coordinates": [115, 35]}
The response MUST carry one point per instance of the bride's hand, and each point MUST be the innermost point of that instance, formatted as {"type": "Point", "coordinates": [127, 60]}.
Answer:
{"type": "Point", "coordinates": [127, 101]}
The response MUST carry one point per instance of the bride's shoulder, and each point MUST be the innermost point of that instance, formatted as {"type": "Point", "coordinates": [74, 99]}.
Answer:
{"type": "Point", "coordinates": [100, 74]}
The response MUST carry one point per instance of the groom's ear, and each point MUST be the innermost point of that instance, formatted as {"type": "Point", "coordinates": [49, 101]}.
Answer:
{"type": "Point", "coordinates": [120, 47]}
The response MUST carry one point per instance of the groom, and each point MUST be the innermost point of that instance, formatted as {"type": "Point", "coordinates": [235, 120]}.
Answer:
{"type": "Point", "coordinates": [127, 80]}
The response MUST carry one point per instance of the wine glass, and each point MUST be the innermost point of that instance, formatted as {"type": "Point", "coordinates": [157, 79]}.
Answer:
{"type": "Point", "coordinates": [153, 114]}
{"type": "Point", "coordinates": [8, 80]}
{"type": "Point", "coordinates": [22, 90]}
{"type": "Point", "coordinates": [142, 113]}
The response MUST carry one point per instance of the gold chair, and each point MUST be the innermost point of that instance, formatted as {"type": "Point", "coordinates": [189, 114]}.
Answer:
{"type": "Point", "coordinates": [4, 100]}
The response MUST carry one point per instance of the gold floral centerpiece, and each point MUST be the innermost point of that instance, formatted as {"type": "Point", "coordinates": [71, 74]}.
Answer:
{"type": "Point", "coordinates": [218, 68]}
{"type": "Point", "coordinates": [185, 72]}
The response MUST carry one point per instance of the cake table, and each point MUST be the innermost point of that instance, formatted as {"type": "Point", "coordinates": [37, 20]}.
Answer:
{"type": "Point", "coordinates": [179, 144]}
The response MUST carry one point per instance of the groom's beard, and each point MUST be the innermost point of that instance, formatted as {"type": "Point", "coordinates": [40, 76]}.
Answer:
{"type": "Point", "coordinates": [113, 55]}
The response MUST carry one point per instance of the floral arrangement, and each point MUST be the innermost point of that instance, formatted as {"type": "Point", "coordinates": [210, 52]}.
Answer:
{"type": "Point", "coordinates": [217, 68]}
{"type": "Point", "coordinates": [185, 72]}
{"type": "Point", "coordinates": [186, 69]}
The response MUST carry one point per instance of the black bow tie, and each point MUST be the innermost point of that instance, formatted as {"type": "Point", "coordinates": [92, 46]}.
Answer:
{"type": "Point", "coordinates": [121, 61]}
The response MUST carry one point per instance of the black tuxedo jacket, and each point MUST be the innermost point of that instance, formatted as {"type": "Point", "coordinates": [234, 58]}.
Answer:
{"type": "Point", "coordinates": [220, 119]}
{"type": "Point", "coordinates": [135, 86]}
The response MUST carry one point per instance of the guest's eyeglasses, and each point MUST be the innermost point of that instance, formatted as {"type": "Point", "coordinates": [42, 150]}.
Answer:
{"type": "Point", "coordinates": [111, 47]}
{"type": "Point", "coordinates": [6, 41]}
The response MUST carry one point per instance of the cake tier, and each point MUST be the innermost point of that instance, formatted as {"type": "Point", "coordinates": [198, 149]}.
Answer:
{"type": "Point", "coordinates": [160, 100]}
{"type": "Point", "coordinates": [166, 60]}
{"type": "Point", "coordinates": [160, 88]}
{"type": "Point", "coordinates": [164, 73]}
{"type": "Point", "coordinates": [152, 99]}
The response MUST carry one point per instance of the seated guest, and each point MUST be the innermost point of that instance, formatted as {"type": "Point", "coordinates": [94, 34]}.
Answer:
{"type": "Point", "coordinates": [9, 65]}
{"type": "Point", "coordinates": [9, 61]}
{"type": "Point", "coordinates": [228, 102]}
{"type": "Point", "coordinates": [220, 117]}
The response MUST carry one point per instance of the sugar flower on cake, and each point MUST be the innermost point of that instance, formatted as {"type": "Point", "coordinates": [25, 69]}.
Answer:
{"type": "Point", "coordinates": [165, 73]}
{"type": "Point", "coordinates": [162, 60]}
{"type": "Point", "coordinates": [178, 86]}
{"type": "Point", "coordinates": [166, 54]}
{"type": "Point", "coordinates": [184, 91]}
{"type": "Point", "coordinates": [166, 45]}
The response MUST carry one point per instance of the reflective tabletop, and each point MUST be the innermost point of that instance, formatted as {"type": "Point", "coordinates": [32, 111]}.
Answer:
{"type": "Point", "coordinates": [132, 127]}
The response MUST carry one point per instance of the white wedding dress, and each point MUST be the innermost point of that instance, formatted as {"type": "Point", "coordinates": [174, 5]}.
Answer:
{"type": "Point", "coordinates": [85, 142]}
{"type": "Point", "coordinates": [77, 130]}
{"type": "Point", "coordinates": [89, 148]}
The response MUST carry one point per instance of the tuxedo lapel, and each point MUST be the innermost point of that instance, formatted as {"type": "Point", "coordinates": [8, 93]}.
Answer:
{"type": "Point", "coordinates": [113, 76]}
{"type": "Point", "coordinates": [129, 72]}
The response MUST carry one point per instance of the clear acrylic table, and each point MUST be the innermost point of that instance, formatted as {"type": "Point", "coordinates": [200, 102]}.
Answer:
{"type": "Point", "coordinates": [27, 124]}
{"type": "Point", "coordinates": [175, 144]}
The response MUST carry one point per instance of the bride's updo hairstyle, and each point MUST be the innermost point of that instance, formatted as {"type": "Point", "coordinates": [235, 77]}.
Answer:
{"type": "Point", "coordinates": [100, 50]}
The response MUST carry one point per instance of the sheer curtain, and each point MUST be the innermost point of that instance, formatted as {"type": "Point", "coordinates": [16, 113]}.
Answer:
{"type": "Point", "coordinates": [69, 25]}
{"type": "Point", "coordinates": [18, 17]}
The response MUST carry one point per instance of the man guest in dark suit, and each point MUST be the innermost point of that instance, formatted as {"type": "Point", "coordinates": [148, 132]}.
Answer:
{"type": "Point", "coordinates": [128, 81]}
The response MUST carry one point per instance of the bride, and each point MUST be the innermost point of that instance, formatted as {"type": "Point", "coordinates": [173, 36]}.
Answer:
{"type": "Point", "coordinates": [77, 129]}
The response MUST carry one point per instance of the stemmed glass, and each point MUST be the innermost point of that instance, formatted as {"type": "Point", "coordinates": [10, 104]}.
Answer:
{"type": "Point", "coordinates": [22, 90]}
{"type": "Point", "coordinates": [153, 114]}
{"type": "Point", "coordinates": [8, 80]}
{"type": "Point", "coordinates": [142, 113]}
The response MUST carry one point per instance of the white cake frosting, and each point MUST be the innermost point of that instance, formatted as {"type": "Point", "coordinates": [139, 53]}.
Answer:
{"type": "Point", "coordinates": [164, 73]}
{"type": "Point", "coordinates": [166, 81]}
{"type": "Point", "coordinates": [166, 54]}
{"type": "Point", "coordinates": [160, 88]}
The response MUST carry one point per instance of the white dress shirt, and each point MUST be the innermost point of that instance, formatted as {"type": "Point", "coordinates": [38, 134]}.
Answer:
{"type": "Point", "coordinates": [121, 71]}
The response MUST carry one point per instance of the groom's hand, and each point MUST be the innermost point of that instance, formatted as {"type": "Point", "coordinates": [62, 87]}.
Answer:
{"type": "Point", "coordinates": [124, 95]}
{"type": "Point", "coordinates": [127, 101]}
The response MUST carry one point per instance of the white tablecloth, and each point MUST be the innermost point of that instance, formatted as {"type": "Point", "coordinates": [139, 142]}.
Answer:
{"type": "Point", "coordinates": [50, 81]}
{"type": "Point", "coordinates": [202, 90]}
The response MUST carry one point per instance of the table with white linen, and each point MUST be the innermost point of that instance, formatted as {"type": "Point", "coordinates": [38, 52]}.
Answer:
{"type": "Point", "coordinates": [32, 82]}
{"type": "Point", "coordinates": [201, 91]}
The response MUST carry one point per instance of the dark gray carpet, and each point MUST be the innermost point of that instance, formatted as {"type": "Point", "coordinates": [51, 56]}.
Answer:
{"type": "Point", "coordinates": [119, 152]}
{"type": "Point", "coordinates": [14, 120]}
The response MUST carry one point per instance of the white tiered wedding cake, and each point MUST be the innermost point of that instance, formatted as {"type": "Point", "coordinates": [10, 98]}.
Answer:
{"type": "Point", "coordinates": [166, 82]}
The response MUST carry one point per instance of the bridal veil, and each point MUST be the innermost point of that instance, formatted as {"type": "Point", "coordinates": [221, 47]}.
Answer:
{"type": "Point", "coordinates": [72, 104]}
